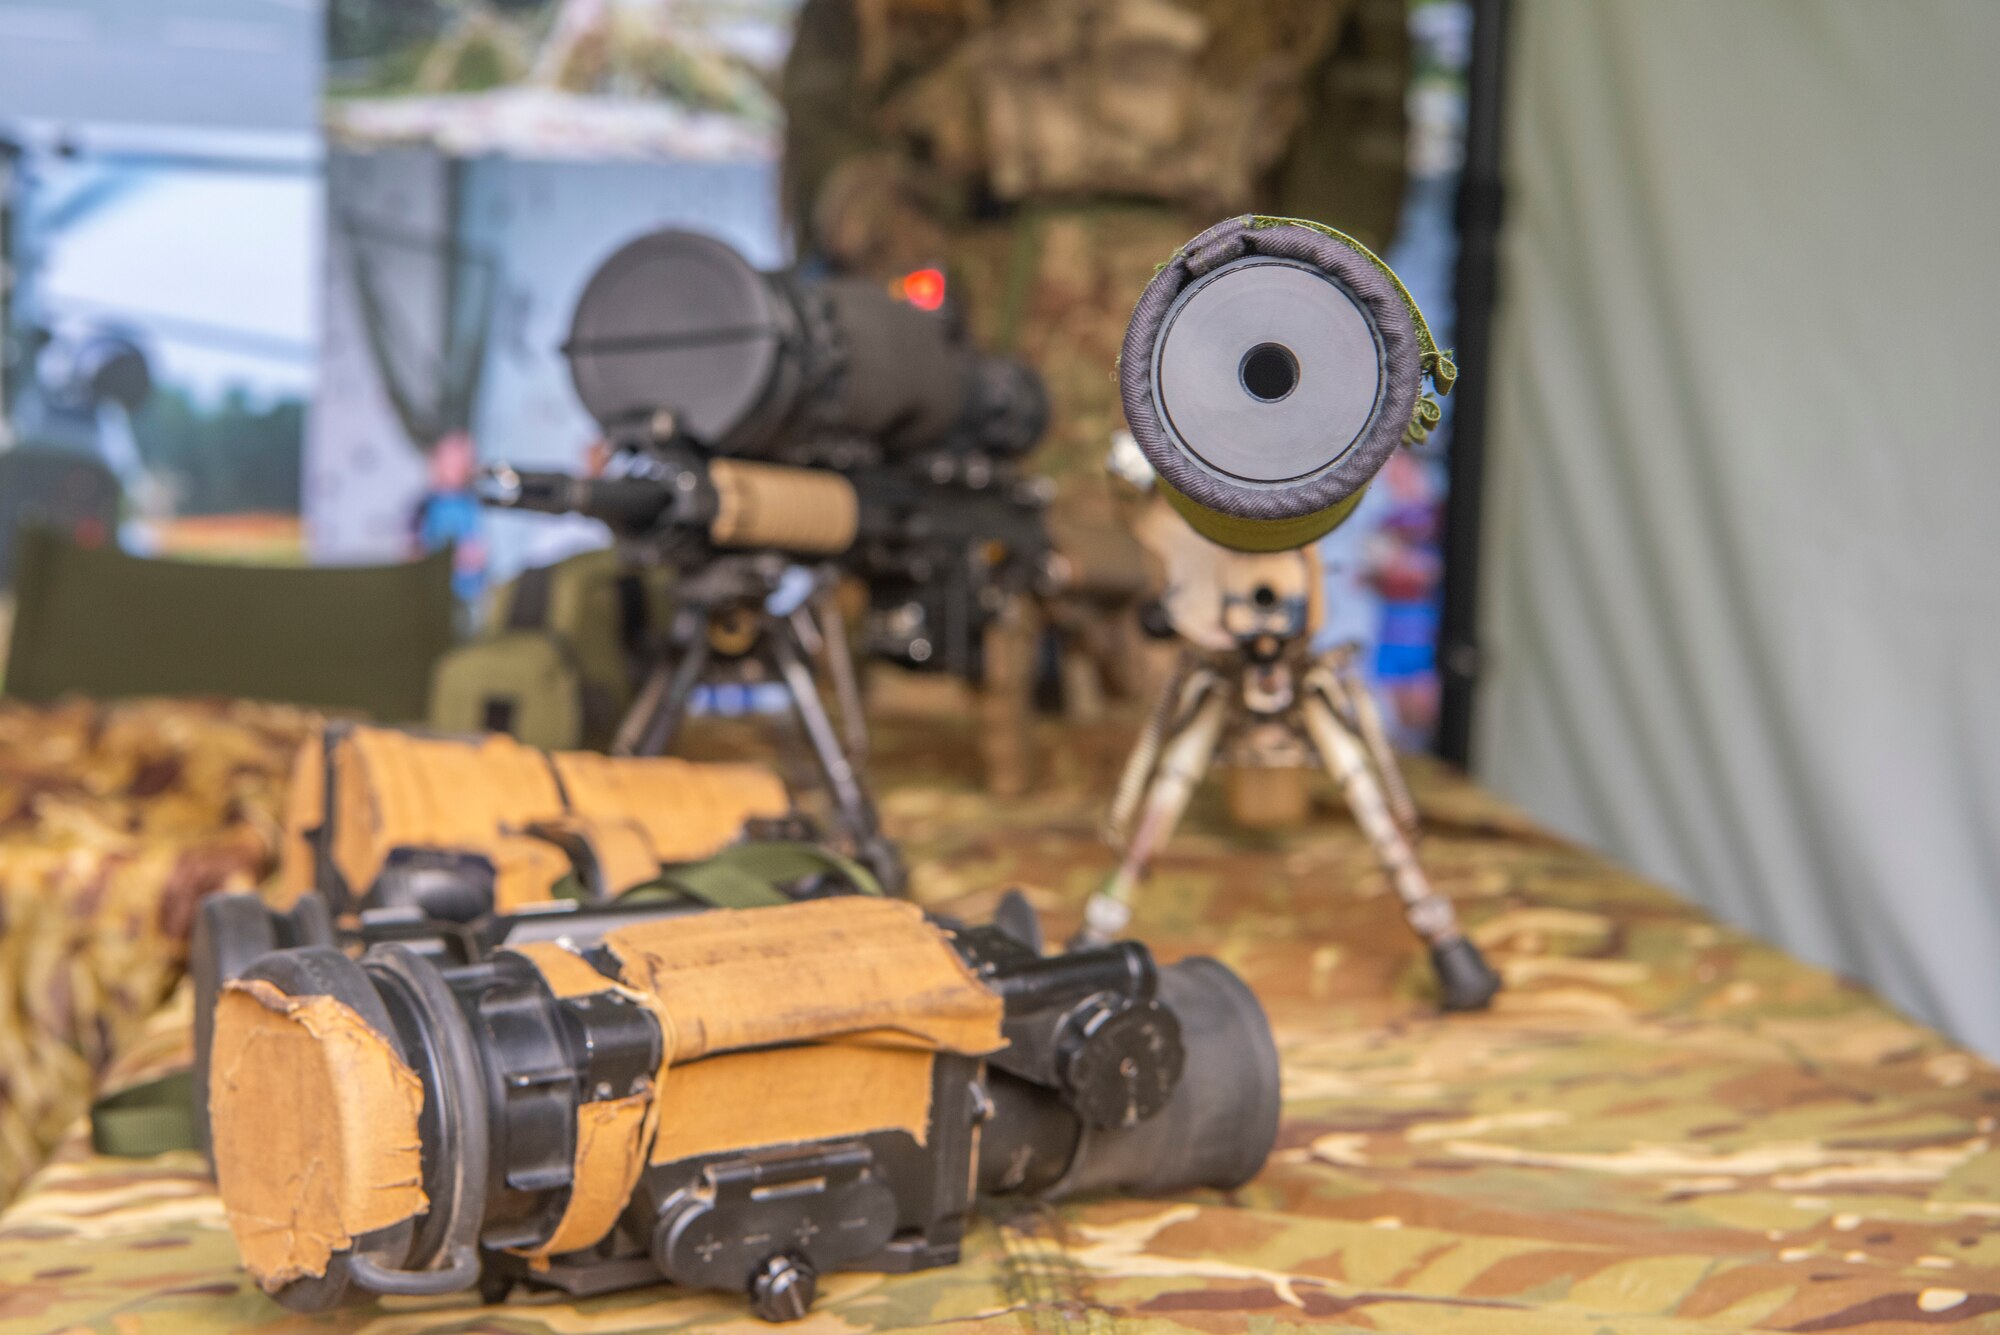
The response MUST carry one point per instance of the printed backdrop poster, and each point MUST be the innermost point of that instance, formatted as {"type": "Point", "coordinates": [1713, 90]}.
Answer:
{"type": "Point", "coordinates": [483, 159]}
{"type": "Point", "coordinates": [159, 204]}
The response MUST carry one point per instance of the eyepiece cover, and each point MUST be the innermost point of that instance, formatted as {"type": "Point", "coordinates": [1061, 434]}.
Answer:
{"type": "Point", "coordinates": [315, 1128]}
{"type": "Point", "coordinates": [683, 314]}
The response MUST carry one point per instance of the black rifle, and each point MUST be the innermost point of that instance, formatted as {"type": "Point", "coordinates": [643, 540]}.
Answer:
{"type": "Point", "coordinates": [770, 434]}
{"type": "Point", "coordinates": [942, 542]}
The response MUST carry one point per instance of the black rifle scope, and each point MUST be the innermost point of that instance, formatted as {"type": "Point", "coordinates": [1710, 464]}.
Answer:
{"type": "Point", "coordinates": [751, 363]}
{"type": "Point", "coordinates": [1115, 1075]}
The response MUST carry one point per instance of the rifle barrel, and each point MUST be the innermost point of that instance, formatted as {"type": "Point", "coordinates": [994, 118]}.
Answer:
{"type": "Point", "coordinates": [626, 504]}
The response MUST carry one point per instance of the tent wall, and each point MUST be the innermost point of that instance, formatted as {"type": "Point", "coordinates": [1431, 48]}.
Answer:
{"type": "Point", "coordinates": [1741, 584]}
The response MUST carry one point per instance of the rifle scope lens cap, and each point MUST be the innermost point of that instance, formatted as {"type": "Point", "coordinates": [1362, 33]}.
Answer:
{"type": "Point", "coordinates": [1268, 370]}
{"type": "Point", "coordinates": [679, 321]}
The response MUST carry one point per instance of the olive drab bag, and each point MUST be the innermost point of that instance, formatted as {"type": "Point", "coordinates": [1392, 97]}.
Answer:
{"type": "Point", "coordinates": [558, 665]}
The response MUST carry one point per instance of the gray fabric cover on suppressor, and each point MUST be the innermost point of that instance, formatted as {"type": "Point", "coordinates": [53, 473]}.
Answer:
{"type": "Point", "coordinates": [1311, 478]}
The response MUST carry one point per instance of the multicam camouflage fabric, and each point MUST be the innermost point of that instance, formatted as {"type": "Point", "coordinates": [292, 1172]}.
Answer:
{"type": "Point", "coordinates": [114, 820]}
{"type": "Point", "coordinates": [1661, 1127]}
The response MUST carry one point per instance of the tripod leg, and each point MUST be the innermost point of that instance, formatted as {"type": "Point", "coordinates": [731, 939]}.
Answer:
{"type": "Point", "coordinates": [654, 720]}
{"type": "Point", "coordinates": [1464, 979]}
{"type": "Point", "coordinates": [1184, 760]}
{"type": "Point", "coordinates": [843, 781]}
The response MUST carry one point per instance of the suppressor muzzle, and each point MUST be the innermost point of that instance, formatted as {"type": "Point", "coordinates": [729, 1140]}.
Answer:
{"type": "Point", "coordinates": [1269, 371]}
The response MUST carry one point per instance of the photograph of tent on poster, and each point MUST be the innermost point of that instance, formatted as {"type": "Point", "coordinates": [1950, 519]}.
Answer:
{"type": "Point", "coordinates": [567, 77]}
{"type": "Point", "coordinates": [483, 157]}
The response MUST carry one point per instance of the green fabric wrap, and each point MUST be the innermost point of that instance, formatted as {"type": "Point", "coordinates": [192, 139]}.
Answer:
{"type": "Point", "coordinates": [145, 1119]}
{"type": "Point", "coordinates": [750, 875]}
{"type": "Point", "coordinates": [1259, 535]}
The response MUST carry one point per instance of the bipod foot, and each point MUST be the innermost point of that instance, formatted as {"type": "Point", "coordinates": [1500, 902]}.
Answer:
{"type": "Point", "coordinates": [1105, 919]}
{"type": "Point", "coordinates": [1466, 982]}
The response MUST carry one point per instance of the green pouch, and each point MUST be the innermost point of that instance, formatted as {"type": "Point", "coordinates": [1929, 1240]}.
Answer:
{"type": "Point", "coordinates": [524, 683]}
{"type": "Point", "coordinates": [559, 666]}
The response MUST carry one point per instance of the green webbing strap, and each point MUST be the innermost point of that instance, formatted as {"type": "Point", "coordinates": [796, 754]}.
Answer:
{"type": "Point", "coordinates": [145, 1119]}
{"type": "Point", "coordinates": [750, 876]}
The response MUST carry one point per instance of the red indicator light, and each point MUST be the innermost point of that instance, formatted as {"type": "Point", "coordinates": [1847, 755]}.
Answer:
{"type": "Point", "coordinates": [924, 288]}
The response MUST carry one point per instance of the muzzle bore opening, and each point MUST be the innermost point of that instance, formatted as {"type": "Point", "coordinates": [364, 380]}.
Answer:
{"type": "Point", "coordinates": [1269, 372]}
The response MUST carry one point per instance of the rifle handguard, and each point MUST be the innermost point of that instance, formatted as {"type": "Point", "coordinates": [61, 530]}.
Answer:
{"type": "Point", "coordinates": [808, 511]}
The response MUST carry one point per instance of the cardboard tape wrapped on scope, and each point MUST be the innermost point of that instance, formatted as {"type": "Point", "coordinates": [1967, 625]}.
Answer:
{"type": "Point", "coordinates": [1269, 371]}
{"type": "Point", "coordinates": [664, 1097]}
{"type": "Point", "coordinates": [328, 1191]}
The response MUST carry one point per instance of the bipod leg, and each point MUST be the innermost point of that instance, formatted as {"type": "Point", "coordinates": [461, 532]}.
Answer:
{"type": "Point", "coordinates": [1184, 760]}
{"type": "Point", "coordinates": [1169, 707]}
{"type": "Point", "coordinates": [1465, 981]}
{"type": "Point", "coordinates": [1357, 703]}
{"type": "Point", "coordinates": [850, 796]}
{"type": "Point", "coordinates": [651, 725]}
{"type": "Point", "coordinates": [1006, 698]}
{"type": "Point", "coordinates": [832, 628]}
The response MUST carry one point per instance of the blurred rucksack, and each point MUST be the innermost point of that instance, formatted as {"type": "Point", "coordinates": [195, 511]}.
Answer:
{"type": "Point", "coordinates": [559, 663]}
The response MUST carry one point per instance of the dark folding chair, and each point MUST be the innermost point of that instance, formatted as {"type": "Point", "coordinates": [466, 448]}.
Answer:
{"type": "Point", "coordinates": [351, 639]}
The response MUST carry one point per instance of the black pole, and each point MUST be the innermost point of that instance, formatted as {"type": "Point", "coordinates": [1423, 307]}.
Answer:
{"type": "Point", "coordinates": [1479, 210]}
{"type": "Point", "coordinates": [10, 167]}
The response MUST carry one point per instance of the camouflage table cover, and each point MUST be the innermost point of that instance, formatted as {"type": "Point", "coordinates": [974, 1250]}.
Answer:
{"type": "Point", "coordinates": [114, 820]}
{"type": "Point", "coordinates": [1661, 1127]}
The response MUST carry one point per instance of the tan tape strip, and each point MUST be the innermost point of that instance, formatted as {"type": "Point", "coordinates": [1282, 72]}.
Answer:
{"type": "Point", "coordinates": [687, 810]}
{"type": "Point", "coordinates": [525, 869]}
{"type": "Point", "coordinates": [612, 1135]}
{"type": "Point", "coordinates": [618, 845]}
{"type": "Point", "coordinates": [610, 1154]}
{"type": "Point", "coordinates": [305, 813]}
{"type": "Point", "coordinates": [314, 1128]}
{"type": "Point", "coordinates": [787, 1096]}
{"type": "Point", "coordinates": [793, 509]}
{"type": "Point", "coordinates": [394, 790]}
{"type": "Point", "coordinates": [569, 974]}
{"type": "Point", "coordinates": [743, 978]}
